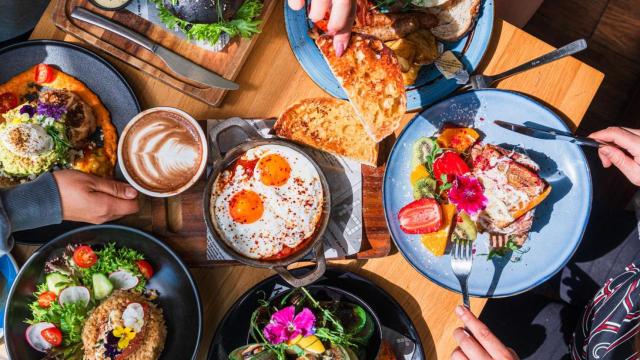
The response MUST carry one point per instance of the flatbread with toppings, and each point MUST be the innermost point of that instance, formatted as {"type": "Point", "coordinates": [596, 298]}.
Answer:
{"type": "Point", "coordinates": [49, 119]}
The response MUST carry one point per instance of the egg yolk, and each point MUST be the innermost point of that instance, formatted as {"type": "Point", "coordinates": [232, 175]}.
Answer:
{"type": "Point", "coordinates": [246, 207]}
{"type": "Point", "coordinates": [274, 170]}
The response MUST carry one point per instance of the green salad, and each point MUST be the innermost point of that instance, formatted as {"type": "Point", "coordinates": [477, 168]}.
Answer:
{"type": "Point", "coordinates": [75, 283]}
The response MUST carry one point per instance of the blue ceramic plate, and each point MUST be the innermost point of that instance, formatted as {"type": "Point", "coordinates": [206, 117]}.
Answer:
{"type": "Point", "coordinates": [560, 220]}
{"type": "Point", "coordinates": [8, 272]}
{"type": "Point", "coordinates": [430, 86]}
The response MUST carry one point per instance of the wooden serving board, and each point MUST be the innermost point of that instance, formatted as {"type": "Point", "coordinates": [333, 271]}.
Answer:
{"type": "Point", "coordinates": [179, 221]}
{"type": "Point", "coordinates": [226, 63]}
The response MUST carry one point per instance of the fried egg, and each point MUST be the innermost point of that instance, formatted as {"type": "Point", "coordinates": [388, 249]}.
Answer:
{"type": "Point", "coordinates": [271, 199]}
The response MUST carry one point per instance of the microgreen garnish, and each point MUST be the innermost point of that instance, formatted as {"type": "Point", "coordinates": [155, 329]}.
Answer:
{"type": "Point", "coordinates": [433, 154]}
{"type": "Point", "coordinates": [509, 247]}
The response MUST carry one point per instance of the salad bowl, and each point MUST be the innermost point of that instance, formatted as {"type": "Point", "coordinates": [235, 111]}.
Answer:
{"type": "Point", "coordinates": [177, 293]}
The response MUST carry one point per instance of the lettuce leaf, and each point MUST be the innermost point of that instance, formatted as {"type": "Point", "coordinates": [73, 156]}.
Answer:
{"type": "Point", "coordinates": [243, 24]}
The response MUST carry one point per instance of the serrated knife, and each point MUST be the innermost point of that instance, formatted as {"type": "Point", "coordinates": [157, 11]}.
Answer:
{"type": "Point", "coordinates": [550, 134]}
{"type": "Point", "coordinates": [175, 62]}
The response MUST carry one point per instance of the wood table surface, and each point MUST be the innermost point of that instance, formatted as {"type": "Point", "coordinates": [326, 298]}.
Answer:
{"type": "Point", "coordinates": [272, 79]}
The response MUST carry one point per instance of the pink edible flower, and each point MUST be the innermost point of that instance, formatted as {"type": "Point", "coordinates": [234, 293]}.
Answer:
{"type": "Point", "coordinates": [286, 325]}
{"type": "Point", "coordinates": [467, 195]}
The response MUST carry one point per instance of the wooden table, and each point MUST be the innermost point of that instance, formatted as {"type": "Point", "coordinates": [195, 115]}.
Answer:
{"type": "Point", "coordinates": [272, 79]}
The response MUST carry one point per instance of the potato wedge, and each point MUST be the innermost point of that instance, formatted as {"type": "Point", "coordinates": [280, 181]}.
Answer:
{"type": "Point", "coordinates": [426, 48]}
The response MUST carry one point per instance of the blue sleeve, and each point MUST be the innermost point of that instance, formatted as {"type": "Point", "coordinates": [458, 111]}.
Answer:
{"type": "Point", "coordinates": [28, 206]}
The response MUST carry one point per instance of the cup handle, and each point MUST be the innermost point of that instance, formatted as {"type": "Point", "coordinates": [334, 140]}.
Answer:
{"type": "Point", "coordinates": [311, 276]}
{"type": "Point", "coordinates": [214, 133]}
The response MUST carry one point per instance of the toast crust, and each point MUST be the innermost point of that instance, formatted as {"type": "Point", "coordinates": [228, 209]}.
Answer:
{"type": "Point", "coordinates": [370, 74]}
{"type": "Point", "coordinates": [448, 28]}
{"type": "Point", "coordinates": [330, 125]}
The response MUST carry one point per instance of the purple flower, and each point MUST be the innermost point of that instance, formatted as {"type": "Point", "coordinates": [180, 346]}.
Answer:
{"type": "Point", "coordinates": [27, 109]}
{"type": "Point", "coordinates": [50, 110]}
{"type": "Point", "coordinates": [467, 195]}
{"type": "Point", "coordinates": [286, 325]}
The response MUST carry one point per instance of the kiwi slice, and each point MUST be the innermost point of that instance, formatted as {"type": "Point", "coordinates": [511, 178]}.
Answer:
{"type": "Point", "coordinates": [465, 227]}
{"type": "Point", "coordinates": [425, 188]}
{"type": "Point", "coordinates": [422, 148]}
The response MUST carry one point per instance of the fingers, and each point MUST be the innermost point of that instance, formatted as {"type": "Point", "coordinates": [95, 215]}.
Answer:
{"type": "Point", "coordinates": [458, 354]}
{"type": "Point", "coordinates": [114, 188]}
{"type": "Point", "coordinates": [340, 18]}
{"type": "Point", "coordinates": [319, 9]}
{"type": "Point", "coordinates": [469, 346]}
{"type": "Point", "coordinates": [493, 346]}
{"type": "Point", "coordinates": [616, 157]}
{"type": "Point", "coordinates": [624, 138]}
{"type": "Point", "coordinates": [296, 4]}
{"type": "Point", "coordinates": [340, 42]}
{"type": "Point", "coordinates": [112, 208]}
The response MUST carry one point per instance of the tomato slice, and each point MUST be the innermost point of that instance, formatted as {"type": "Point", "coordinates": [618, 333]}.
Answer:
{"type": "Point", "coordinates": [46, 298]}
{"type": "Point", "coordinates": [420, 217]}
{"type": "Point", "coordinates": [145, 268]}
{"type": "Point", "coordinates": [449, 164]}
{"type": "Point", "coordinates": [44, 74]}
{"type": "Point", "coordinates": [8, 101]}
{"type": "Point", "coordinates": [84, 256]}
{"type": "Point", "coordinates": [52, 335]}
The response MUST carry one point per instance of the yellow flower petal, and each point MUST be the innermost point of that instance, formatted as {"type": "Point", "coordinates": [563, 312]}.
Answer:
{"type": "Point", "coordinates": [123, 343]}
{"type": "Point", "coordinates": [118, 331]}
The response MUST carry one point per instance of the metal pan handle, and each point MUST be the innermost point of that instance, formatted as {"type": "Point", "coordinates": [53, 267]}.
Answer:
{"type": "Point", "coordinates": [214, 133]}
{"type": "Point", "coordinates": [310, 277]}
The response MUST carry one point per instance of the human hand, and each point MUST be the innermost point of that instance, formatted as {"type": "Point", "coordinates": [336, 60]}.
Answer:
{"type": "Point", "coordinates": [342, 15]}
{"type": "Point", "coordinates": [92, 199]}
{"type": "Point", "coordinates": [478, 342]}
{"type": "Point", "coordinates": [627, 139]}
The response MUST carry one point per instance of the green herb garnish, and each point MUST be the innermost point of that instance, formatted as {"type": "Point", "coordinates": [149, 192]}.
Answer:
{"type": "Point", "coordinates": [243, 24]}
{"type": "Point", "coordinates": [112, 259]}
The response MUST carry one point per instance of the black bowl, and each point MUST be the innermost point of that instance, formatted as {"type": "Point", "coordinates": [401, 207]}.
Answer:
{"type": "Point", "coordinates": [178, 298]}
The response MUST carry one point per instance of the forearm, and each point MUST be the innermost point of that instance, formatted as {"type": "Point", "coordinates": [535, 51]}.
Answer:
{"type": "Point", "coordinates": [30, 205]}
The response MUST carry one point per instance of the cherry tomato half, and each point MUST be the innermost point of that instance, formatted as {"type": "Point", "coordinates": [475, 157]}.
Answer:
{"type": "Point", "coordinates": [145, 268]}
{"type": "Point", "coordinates": [52, 335]}
{"type": "Point", "coordinates": [420, 217]}
{"type": "Point", "coordinates": [84, 256]}
{"type": "Point", "coordinates": [44, 74]}
{"type": "Point", "coordinates": [7, 102]}
{"type": "Point", "coordinates": [46, 298]}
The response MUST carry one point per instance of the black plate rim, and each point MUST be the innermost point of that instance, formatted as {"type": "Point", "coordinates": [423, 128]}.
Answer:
{"type": "Point", "coordinates": [150, 237]}
{"type": "Point", "coordinates": [338, 269]}
{"type": "Point", "coordinates": [71, 47]}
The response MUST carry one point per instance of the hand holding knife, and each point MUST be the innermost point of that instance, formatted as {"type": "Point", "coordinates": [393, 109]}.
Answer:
{"type": "Point", "coordinates": [551, 134]}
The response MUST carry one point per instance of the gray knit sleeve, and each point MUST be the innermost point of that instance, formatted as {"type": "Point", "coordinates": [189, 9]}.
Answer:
{"type": "Point", "coordinates": [28, 206]}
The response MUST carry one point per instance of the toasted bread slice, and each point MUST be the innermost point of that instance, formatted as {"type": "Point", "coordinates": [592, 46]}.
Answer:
{"type": "Point", "coordinates": [511, 184]}
{"type": "Point", "coordinates": [456, 19]}
{"type": "Point", "coordinates": [330, 125]}
{"type": "Point", "coordinates": [370, 74]}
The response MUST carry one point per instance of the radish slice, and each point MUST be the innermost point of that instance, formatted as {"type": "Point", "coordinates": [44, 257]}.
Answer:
{"type": "Point", "coordinates": [34, 336]}
{"type": "Point", "coordinates": [123, 279]}
{"type": "Point", "coordinates": [74, 294]}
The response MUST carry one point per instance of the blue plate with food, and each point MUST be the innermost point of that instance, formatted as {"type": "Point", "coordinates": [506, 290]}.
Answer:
{"type": "Point", "coordinates": [341, 316]}
{"type": "Point", "coordinates": [419, 32]}
{"type": "Point", "coordinates": [103, 292]}
{"type": "Point", "coordinates": [454, 175]}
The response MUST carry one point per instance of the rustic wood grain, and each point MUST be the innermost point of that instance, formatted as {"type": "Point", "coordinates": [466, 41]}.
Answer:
{"type": "Point", "coordinates": [271, 79]}
{"type": "Point", "coordinates": [226, 63]}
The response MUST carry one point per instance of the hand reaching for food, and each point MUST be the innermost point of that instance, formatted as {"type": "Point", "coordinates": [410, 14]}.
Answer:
{"type": "Point", "coordinates": [626, 140]}
{"type": "Point", "coordinates": [92, 199]}
{"type": "Point", "coordinates": [476, 341]}
{"type": "Point", "coordinates": [341, 18]}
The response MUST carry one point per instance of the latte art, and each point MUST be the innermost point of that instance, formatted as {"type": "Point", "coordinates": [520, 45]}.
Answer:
{"type": "Point", "coordinates": [162, 151]}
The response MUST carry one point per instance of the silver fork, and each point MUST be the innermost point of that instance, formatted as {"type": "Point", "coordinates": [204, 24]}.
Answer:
{"type": "Point", "coordinates": [461, 261]}
{"type": "Point", "coordinates": [497, 240]}
{"type": "Point", "coordinates": [480, 81]}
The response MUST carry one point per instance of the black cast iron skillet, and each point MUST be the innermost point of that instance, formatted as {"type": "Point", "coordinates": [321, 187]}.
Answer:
{"type": "Point", "coordinates": [178, 293]}
{"type": "Point", "coordinates": [220, 163]}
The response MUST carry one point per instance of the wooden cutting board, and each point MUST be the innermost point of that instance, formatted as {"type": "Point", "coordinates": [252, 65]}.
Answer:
{"type": "Point", "coordinates": [179, 220]}
{"type": "Point", "coordinates": [226, 63]}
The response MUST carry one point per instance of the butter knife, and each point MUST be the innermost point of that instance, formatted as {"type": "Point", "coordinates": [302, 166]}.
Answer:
{"type": "Point", "coordinates": [175, 62]}
{"type": "Point", "coordinates": [550, 134]}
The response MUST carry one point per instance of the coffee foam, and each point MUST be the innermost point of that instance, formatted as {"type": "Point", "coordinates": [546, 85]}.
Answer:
{"type": "Point", "coordinates": [162, 151]}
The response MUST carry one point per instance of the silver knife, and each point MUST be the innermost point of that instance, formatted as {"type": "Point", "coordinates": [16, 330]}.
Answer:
{"type": "Point", "coordinates": [550, 134]}
{"type": "Point", "coordinates": [175, 62]}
